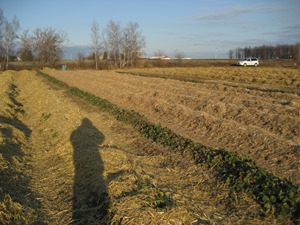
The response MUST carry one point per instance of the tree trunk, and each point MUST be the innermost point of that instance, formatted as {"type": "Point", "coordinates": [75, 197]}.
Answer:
{"type": "Point", "coordinates": [7, 58]}
{"type": "Point", "coordinates": [96, 60]}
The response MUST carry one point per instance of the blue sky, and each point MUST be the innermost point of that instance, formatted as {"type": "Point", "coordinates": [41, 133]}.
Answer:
{"type": "Point", "coordinates": [199, 28]}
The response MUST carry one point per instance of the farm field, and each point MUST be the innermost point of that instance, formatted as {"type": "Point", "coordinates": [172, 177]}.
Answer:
{"type": "Point", "coordinates": [63, 161]}
{"type": "Point", "coordinates": [257, 123]}
{"type": "Point", "coordinates": [273, 78]}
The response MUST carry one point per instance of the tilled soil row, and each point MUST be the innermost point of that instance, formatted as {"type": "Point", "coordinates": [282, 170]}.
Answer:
{"type": "Point", "coordinates": [264, 126]}
{"type": "Point", "coordinates": [84, 167]}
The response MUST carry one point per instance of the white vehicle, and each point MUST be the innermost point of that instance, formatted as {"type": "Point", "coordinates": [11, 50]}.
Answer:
{"type": "Point", "coordinates": [248, 62]}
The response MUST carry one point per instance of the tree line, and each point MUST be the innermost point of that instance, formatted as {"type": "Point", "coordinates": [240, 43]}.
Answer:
{"type": "Point", "coordinates": [44, 46]}
{"type": "Point", "coordinates": [121, 45]}
{"type": "Point", "coordinates": [267, 52]}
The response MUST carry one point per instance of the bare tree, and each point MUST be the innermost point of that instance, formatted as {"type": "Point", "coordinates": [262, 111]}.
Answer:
{"type": "Point", "coordinates": [10, 37]}
{"type": "Point", "coordinates": [96, 42]}
{"type": "Point", "coordinates": [47, 45]}
{"type": "Point", "coordinates": [159, 53]}
{"type": "Point", "coordinates": [113, 40]}
{"type": "Point", "coordinates": [179, 55]}
{"type": "Point", "coordinates": [297, 52]}
{"type": "Point", "coordinates": [280, 51]}
{"type": "Point", "coordinates": [134, 41]}
{"type": "Point", "coordinates": [1, 32]}
{"type": "Point", "coordinates": [124, 45]}
{"type": "Point", "coordinates": [247, 52]}
{"type": "Point", "coordinates": [25, 49]}
{"type": "Point", "coordinates": [1, 37]}
{"type": "Point", "coordinates": [80, 56]}
{"type": "Point", "coordinates": [239, 53]}
{"type": "Point", "coordinates": [231, 54]}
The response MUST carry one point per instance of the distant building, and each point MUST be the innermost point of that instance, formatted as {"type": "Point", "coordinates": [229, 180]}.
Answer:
{"type": "Point", "coordinates": [165, 57]}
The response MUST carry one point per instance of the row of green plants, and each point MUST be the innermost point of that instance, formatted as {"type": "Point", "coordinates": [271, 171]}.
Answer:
{"type": "Point", "coordinates": [242, 174]}
{"type": "Point", "coordinates": [276, 195]}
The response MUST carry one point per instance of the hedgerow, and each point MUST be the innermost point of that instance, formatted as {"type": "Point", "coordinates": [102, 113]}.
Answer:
{"type": "Point", "coordinates": [276, 195]}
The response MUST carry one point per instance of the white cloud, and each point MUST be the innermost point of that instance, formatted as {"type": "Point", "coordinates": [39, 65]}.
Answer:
{"type": "Point", "coordinates": [231, 13]}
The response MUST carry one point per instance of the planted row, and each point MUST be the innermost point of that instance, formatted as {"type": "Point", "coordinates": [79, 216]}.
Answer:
{"type": "Point", "coordinates": [242, 174]}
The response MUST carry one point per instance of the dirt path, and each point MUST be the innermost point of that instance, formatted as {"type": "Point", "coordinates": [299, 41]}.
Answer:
{"type": "Point", "coordinates": [264, 126]}
{"type": "Point", "coordinates": [84, 167]}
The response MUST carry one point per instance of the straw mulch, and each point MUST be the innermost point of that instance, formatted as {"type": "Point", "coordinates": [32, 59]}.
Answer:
{"type": "Point", "coordinates": [256, 123]}
{"type": "Point", "coordinates": [18, 204]}
{"type": "Point", "coordinates": [82, 166]}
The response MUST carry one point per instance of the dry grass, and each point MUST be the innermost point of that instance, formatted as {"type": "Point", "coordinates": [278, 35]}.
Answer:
{"type": "Point", "coordinates": [17, 202]}
{"type": "Point", "coordinates": [255, 123]}
{"type": "Point", "coordinates": [84, 163]}
{"type": "Point", "coordinates": [268, 76]}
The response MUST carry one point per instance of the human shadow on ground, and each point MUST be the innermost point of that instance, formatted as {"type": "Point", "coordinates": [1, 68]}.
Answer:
{"type": "Point", "coordinates": [90, 198]}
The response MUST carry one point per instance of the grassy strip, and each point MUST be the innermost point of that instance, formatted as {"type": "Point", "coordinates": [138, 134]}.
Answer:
{"type": "Point", "coordinates": [274, 194]}
{"type": "Point", "coordinates": [53, 80]}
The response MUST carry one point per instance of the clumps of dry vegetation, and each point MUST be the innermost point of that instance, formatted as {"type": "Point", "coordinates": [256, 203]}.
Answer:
{"type": "Point", "coordinates": [255, 122]}
{"type": "Point", "coordinates": [77, 165]}
{"type": "Point", "coordinates": [267, 76]}
{"type": "Point", "coordinates": [18, 204]}
{"type": "Point", "coordinates": [275, 195]}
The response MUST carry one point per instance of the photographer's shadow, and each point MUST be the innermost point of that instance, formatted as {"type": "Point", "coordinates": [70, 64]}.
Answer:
{"type": "Point", "coordinates": [90, 198]}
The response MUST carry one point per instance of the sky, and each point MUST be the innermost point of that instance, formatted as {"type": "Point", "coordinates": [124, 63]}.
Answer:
{"type": "Point", "coordinates": [199, 28]}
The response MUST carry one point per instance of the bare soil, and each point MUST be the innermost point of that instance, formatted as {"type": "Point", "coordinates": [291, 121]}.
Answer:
{"type": "Point", "coordinates": [259, 124]}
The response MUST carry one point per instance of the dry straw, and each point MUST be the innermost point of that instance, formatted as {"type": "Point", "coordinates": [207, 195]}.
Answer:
{"type": "Point", "coordinates": [84, 167]}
